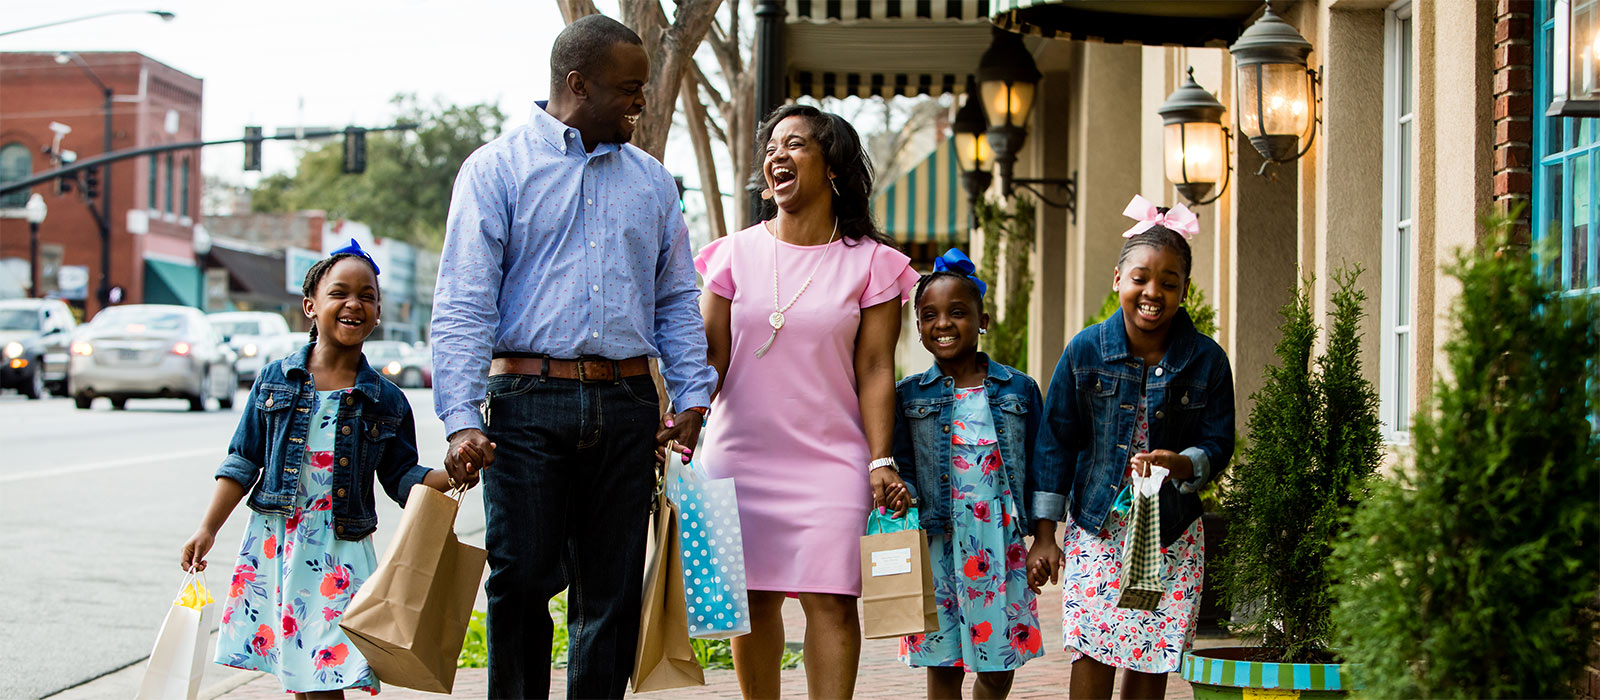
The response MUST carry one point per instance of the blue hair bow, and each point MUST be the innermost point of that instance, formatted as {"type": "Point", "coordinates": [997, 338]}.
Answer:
{"type": "Point", "coordinates": [355, 249]}
{"type": "Point", "coordinates": [956, 261]}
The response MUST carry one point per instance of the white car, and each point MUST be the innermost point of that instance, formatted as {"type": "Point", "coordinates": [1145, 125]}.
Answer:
{"type": "Point", "coordinates": [147, 351]}
{"type": "Point", "coordinates": [257, 337]}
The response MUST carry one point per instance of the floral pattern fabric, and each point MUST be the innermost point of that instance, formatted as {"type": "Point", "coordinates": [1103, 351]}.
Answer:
{"type": "Point", "coordinates": [1147, 641]}
{"type": "Point", "coordinates": [294, 580]}
{"type": "Point", "coordinates": [988, 618]}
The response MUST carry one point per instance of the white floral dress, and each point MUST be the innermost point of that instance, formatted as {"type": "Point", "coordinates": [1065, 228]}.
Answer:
{"type": "Point", "coordinates": [1148, 641]}
{"type": "Point", "coordinates": [294, 580]}
{"type": "Point", "coordinates": [988, 617]}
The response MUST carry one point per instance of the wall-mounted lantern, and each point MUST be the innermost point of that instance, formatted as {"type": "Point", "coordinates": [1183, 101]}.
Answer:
{"type": "Point", "coordinates": [1196, 142]}
{"type": "Point", "coordinates": [1575, 66]}
{"type": "Point", "coordinates": [1008, 79]}
{"type": "Point", "coordinates": [1277, 92]}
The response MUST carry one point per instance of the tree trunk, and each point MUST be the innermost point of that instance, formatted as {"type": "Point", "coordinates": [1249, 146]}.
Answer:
{"type": "Point", "coordinates": [694, 114]}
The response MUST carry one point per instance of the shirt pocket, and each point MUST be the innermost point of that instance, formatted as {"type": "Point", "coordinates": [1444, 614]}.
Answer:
{"type": "Point", "coordinates": [1097, 396]}
{"type": "Point", "coordinates": [1187, 402]}
{"type": "Point", "coordinates": [376, 434]}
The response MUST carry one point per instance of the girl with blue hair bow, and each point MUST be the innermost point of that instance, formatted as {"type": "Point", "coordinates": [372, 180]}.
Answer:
{"type": "Point", "coordinates": [964, 434]}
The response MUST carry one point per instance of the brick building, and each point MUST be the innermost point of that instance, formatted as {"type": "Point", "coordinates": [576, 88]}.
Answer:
{"type": "Point", "coordinates": [155, 200]}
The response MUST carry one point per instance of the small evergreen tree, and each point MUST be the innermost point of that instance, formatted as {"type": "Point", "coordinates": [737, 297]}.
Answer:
{"type": "Point", "coordinates": [1008, 241]}
{"type": "Point", "coordinates": [1314, 441]}
{"type": "Point", "coordinates": [1468, 575]}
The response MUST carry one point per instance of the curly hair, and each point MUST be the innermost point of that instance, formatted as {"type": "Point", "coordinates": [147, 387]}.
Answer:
{"type": "Point", "coordinates": [1159, 237]}
{"type": "Point", "coordinates": [843, 154]}
{"type": "Point", "coordinates": [319, 270]}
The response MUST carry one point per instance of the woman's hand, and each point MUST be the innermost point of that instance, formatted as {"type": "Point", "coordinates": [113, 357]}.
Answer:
{"type": "Point", "coordinates": [678, 432]}
{"type": "Point", "coordinates": [888, 490]}
{"type": "Point", "coordinates": [1044, 563]}
{"type": "Point", "coordinates": [193, 557]}
{"type": "Point", "coordinates": [1179, 467]}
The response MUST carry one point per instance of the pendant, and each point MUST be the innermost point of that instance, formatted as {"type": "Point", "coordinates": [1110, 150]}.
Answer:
{"type": "Point", "coordinates": [763, 349]}
{"type": "Point", "coordinates": [775, 320]}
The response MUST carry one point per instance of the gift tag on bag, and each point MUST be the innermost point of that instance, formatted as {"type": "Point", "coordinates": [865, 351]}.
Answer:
{"type": "Point", "coordinates": [896, 578]}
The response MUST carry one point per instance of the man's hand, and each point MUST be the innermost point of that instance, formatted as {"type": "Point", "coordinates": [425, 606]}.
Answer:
{"type": "Point", "coordinates": [889, 491]}
{"type": "Point", "coordinates": [679, 433]}
{"type": "Point", "coordinates": [469, 453]}
{"type": "Point", "coordinates": [1179, 467]}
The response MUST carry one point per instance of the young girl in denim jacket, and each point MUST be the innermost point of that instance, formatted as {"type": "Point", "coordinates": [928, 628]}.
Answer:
{"type": "Point", "coordinates": [963, 440]}
{"type": "Point", "coordinates": [1141, 389]}
{"type": "Point", "coordinates": [318, 426]}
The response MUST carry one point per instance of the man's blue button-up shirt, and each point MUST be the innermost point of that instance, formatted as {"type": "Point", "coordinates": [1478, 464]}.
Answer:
{"type": "Point", "coordinates": [553, 250]}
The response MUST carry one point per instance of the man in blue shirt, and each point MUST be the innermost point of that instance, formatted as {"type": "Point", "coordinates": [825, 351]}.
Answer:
{"type": "Point", "coordinates": [566, 266]}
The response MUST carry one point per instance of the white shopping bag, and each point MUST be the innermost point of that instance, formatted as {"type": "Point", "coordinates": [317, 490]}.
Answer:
{"type": "Point", "coordinates": [712, 547]}
{"type": "Point", "coordinates": [177, 661]}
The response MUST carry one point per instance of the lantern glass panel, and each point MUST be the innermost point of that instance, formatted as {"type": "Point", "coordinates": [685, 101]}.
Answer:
{"type": "Point", "coordinates": [1584, 52]}
{"type": "Point", "coordinates": [1274, 99]}
{"type": "Point", "coordinates": [1195, 152]}
{"type": "Point", "coordinates": [973, 152]}
{"type": "Point", "coordinates": [1007, 102]}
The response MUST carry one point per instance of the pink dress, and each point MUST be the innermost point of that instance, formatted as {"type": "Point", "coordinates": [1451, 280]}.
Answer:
{"type": "Point", "coordinates": [787, 426]}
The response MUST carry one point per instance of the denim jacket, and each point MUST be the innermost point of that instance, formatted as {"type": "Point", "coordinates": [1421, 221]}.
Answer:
{"type": "Point", "coordinates": [376, 435]}
{"type": "Point", "coordinates": [925, 407]}
{"type": "Point", "coordinates": [1083, 449]}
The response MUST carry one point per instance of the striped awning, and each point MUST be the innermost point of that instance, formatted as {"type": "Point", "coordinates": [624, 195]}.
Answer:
{"type": "Point", "coordinates": [1214, 23]}
{"type": "Point", "coordinates": [883, 48]}
{"type": "Point", "coordinates": [928, 203]}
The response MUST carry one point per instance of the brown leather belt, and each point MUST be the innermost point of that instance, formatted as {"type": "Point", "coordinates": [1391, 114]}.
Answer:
{"type": "Point", "coordinates": [589, 369]}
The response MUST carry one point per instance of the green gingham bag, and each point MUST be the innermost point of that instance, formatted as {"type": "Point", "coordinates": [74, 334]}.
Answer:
{"type": "Point", "coordinates": [1141, 587]}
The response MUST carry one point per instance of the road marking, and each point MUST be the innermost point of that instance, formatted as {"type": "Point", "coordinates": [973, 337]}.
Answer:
{"type": "Point", "coordinates": [95, 466]}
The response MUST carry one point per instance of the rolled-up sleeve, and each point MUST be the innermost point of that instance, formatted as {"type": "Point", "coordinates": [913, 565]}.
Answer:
{"type": "Point", "coordinates": [467, 296]}
{"type": "Point", "coordinates": [680, 332]}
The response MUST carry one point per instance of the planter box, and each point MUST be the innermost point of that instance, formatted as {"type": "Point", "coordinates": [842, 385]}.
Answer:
{"type": "Point", "coordinates": [1221, 673]}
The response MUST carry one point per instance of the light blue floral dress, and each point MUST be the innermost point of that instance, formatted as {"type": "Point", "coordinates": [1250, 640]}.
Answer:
{"type": "Point", "coordinates": [988, 618]}
{"type": "Point", "coordinates": [294, 579]}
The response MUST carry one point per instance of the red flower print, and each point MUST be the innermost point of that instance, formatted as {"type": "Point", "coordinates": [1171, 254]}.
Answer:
{"type": "Point", "coordinates": [1177, 595]}
{"type": "Point", "coordinates": [334, 656]}
{"type": "Point", "coordinates": [323, 503]}
{"type": "Point", "coordinates": [1025, 639]}
{"type": "Point", "coordinates": [977, 566]}
{"type": "Point", "coordinates": [322, 460]}
{"type": "Point", "coordinates": [980, 510]}
{"type": "Point", "coordinates": [990, 462]}
{"type": "Point", "coordinates": [242, 576]}
{"type": "Point", "coordinates": [270, 547]}
{"type": "Point", "coordinates": [227, 614]}
{"type": "Point", "coordinates": [263, 641]}
{"type": "Point", "coordinates": [335, 582]}
{"type": "Point", "coordinates": [1016, 556]}
{"type": "Point", "coordinates": [1138, 653]}
{"type": "Point", "coordinates": [980, 632]}
{"type": "Point", "coordinates": [1005, 519]}
{"type": "Point", "coordinates": [294, 520]}
{"type": "Point", "coordinates": [329, 613]}
{"type": "Point", "coordinates": [911, 644]}
{"type": "Point", "coordinates": [961, 463]}
{"type": "Point", "coordinates": [290, 626]}
{"type": "Point", "coordinates": [1089, 593]}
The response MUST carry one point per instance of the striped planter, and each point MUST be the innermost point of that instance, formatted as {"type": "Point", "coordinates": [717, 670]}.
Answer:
{"type": "Point", "coordinates": [1218, 674]}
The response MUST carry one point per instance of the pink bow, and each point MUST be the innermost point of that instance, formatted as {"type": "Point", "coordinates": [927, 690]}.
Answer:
{"type": "Point", "coordinates": [1179, 219]}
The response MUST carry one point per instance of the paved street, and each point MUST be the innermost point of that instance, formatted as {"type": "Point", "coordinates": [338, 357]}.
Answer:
{"type": "Point", "coordinates": [94, 506]}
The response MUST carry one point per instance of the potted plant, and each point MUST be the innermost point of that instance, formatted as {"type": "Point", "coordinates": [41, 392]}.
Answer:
{"type": "Point", "coordinates": [1471, 574]}
{"type": "Point", "coordinates": [1314, 442]}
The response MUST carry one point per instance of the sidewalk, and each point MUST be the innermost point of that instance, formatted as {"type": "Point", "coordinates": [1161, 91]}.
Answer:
{"type": "Point", "coordinates": [881, 676]}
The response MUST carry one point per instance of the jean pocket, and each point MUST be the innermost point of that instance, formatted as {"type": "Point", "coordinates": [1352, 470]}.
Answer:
{"type": "Point", "coordinates": [503, 385]}
{"type": "Point", "coordinates": [642, 389]}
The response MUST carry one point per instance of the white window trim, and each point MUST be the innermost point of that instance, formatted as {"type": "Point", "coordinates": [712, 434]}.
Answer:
{"type": "Point", "coordinates": [1388, 351]}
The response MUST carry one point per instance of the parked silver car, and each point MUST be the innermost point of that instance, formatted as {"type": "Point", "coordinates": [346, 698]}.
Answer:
{"type": "Point", "coordinates": [257, 337]}
{"type": "Point", "coordinates": [34, 336]}
{"type": "Point", "coordinates": [149, 351]}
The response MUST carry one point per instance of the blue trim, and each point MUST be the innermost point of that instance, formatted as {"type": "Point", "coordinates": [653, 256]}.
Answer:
{"type": "Point", "coordinates": [1269, 675]}
{"type": "Point", "coordinates": [1330, 677]}
{"type": "Point", "coordinates": [1302, 676]}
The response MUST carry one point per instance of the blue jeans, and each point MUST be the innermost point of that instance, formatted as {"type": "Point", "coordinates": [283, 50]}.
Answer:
{"type": "Point", "coordinates": [568, 503]}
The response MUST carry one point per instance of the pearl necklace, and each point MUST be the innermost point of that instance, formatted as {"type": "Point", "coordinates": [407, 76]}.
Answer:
{"type": "Point", "coordinates": [776, 319]}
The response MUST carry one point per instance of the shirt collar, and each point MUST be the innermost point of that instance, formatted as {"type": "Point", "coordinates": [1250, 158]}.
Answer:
{"type": "Point", "coordinates": [560, 136]}
{"type": "Point", "coordinates": [294, 367]}
{"type": "Point", "coordinates": [997, 371]}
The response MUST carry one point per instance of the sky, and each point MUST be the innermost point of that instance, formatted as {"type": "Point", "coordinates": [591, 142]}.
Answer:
{"type": "Point", "coordinates": [330, 63]}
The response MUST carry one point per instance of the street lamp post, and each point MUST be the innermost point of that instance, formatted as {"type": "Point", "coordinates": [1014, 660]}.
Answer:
{"type": "Point", "coordinates": [103, 216]}
{"type": "Point", "coordinates": [36, 209]}
{"type": "Point", "coordinates": [164, 15]}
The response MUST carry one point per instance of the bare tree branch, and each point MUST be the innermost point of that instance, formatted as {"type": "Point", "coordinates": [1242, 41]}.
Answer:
{"type": "Point", "coordinates": [694, 114]}
{"type": "Point", "coordinates": [573, 9]}
{"type": "Point", "coordinates": [699, 76]}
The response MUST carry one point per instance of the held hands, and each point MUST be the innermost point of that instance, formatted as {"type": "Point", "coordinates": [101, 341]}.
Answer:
{"type": "Point", "coordinates": [888, 490]}
{"type": "Point", "coordinates": [1045, 560]}
{"type": "Point", "coordinates": [1179, 467]}
{"type": "Point", "coordinates": [470, 452]}
{"type": "Point", "coordinates": [194, 551]}
{"type": "Point", "coordinates": [679, 433]}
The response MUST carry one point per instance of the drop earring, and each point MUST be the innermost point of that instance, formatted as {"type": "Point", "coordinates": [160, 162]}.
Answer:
{"type": "Point", "coordinates": [983, 331]}
{"type": "Point", "coordinates": [834, 182]}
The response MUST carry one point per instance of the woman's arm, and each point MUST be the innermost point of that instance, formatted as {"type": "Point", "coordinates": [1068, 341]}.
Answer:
{"type": "Point", "coordinates": [874, 360]}
{"type": "Point", "coordinates": [717, 311]}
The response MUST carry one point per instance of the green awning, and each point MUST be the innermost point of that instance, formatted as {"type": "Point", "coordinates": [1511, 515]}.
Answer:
{"type": "Point", "coordinates": [171, 283]}
{"type": "Point", "coordinates": [1151, 22]}
{"type": "Point", "coordinates": [927, 204]}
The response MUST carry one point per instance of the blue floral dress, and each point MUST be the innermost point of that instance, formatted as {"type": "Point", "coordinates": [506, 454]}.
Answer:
{"type": "Point", "coordinates": [294, 579]}
{"type": "Point", "coordinates": [988, 618]}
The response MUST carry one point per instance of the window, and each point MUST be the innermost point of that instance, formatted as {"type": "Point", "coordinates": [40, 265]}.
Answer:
{"type": "Point", "coordinates": [183, 202]}
{"type": "Point", "coordinates": [169, 183]}
{"type": "Point", "coordinates": [16, 162]}
{"type": "Point", "coordinates": [155, 168]}
{"type": "Point", "coordinates": [1395, 383]}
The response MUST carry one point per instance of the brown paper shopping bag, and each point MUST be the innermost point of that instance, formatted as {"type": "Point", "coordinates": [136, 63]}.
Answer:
{"type": "Point", "coordinates": [664, 659]}
{"type": "Point", "coordinates": [896, 578]}
{"type": "Point", "coordinates": [410, 618]}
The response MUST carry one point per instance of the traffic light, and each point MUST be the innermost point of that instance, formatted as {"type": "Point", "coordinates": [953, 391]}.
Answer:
{"type": "Point", "coordinates": [91, 183]}
{"type": "Point", "coordinates": [355, 150]}
{"type": "Point", "coordinates": [679, 180]}
{"type": "Point", "coordinates": [252, 148]}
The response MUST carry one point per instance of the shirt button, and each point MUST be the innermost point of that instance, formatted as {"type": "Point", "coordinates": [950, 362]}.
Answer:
{"type": "Point", "coordinates": [1184, 400]}
{"type": "Point", "coordinates": [339, 493]}
{"type": "Point", "coordinates": [591, 244]}
{"type": "Point", "coordinates": [944, 477]}
{"type": "Point", "coordinates": [1160, 371]}
{"type": "Point", "coordinates": [589, 202]}
{"type": "Point", "coordinates": [345, 430]}
{"type": "Point", "coordinates": [596, 287]}
{"type": "Point", "coordinates": [349, 400]}
{"type": "Point", "coordinates": [947, 428]}
{"type": "Point", "coordinates": [596, 334]}
{"type": "Point", "coordinates": [343, 462]}
{"type": "Point", "coordinates": [269, 402]}
{"type": "Point", "coordinates": [339, 529]}
{"type": "Point", "coordinates": [1000, 431]}
{"type": "Point", "coordinates": [1160, 414]}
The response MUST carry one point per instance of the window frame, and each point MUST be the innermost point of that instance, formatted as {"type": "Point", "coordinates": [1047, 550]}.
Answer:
{"type": "Point", "coordinates": [20, 196]}
{"type": "Point", "coordinates": [1568, 151]}
{"type": "Point", "coordinates": [1397, 342]}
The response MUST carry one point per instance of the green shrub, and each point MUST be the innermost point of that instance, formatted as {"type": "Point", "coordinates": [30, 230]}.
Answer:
{"type": "Point", "coordinates": [1314, 442]}
{"type": "Point", "coordinates": [1468, 574]}
{"type": "Point", "coordinates": [1007, 340]}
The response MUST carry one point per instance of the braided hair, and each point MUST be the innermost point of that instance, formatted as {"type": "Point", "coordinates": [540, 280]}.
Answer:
{"type": "Point", "coordinates": [318, 271]}
{"type": "Point", "coordinates": [1160, 237]}
{"type": "Point", "coordinates": [966, 283]}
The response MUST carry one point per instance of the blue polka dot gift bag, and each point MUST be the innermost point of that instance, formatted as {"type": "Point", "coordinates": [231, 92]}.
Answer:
{"type": "Point", "coordinates": [713, 552]}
